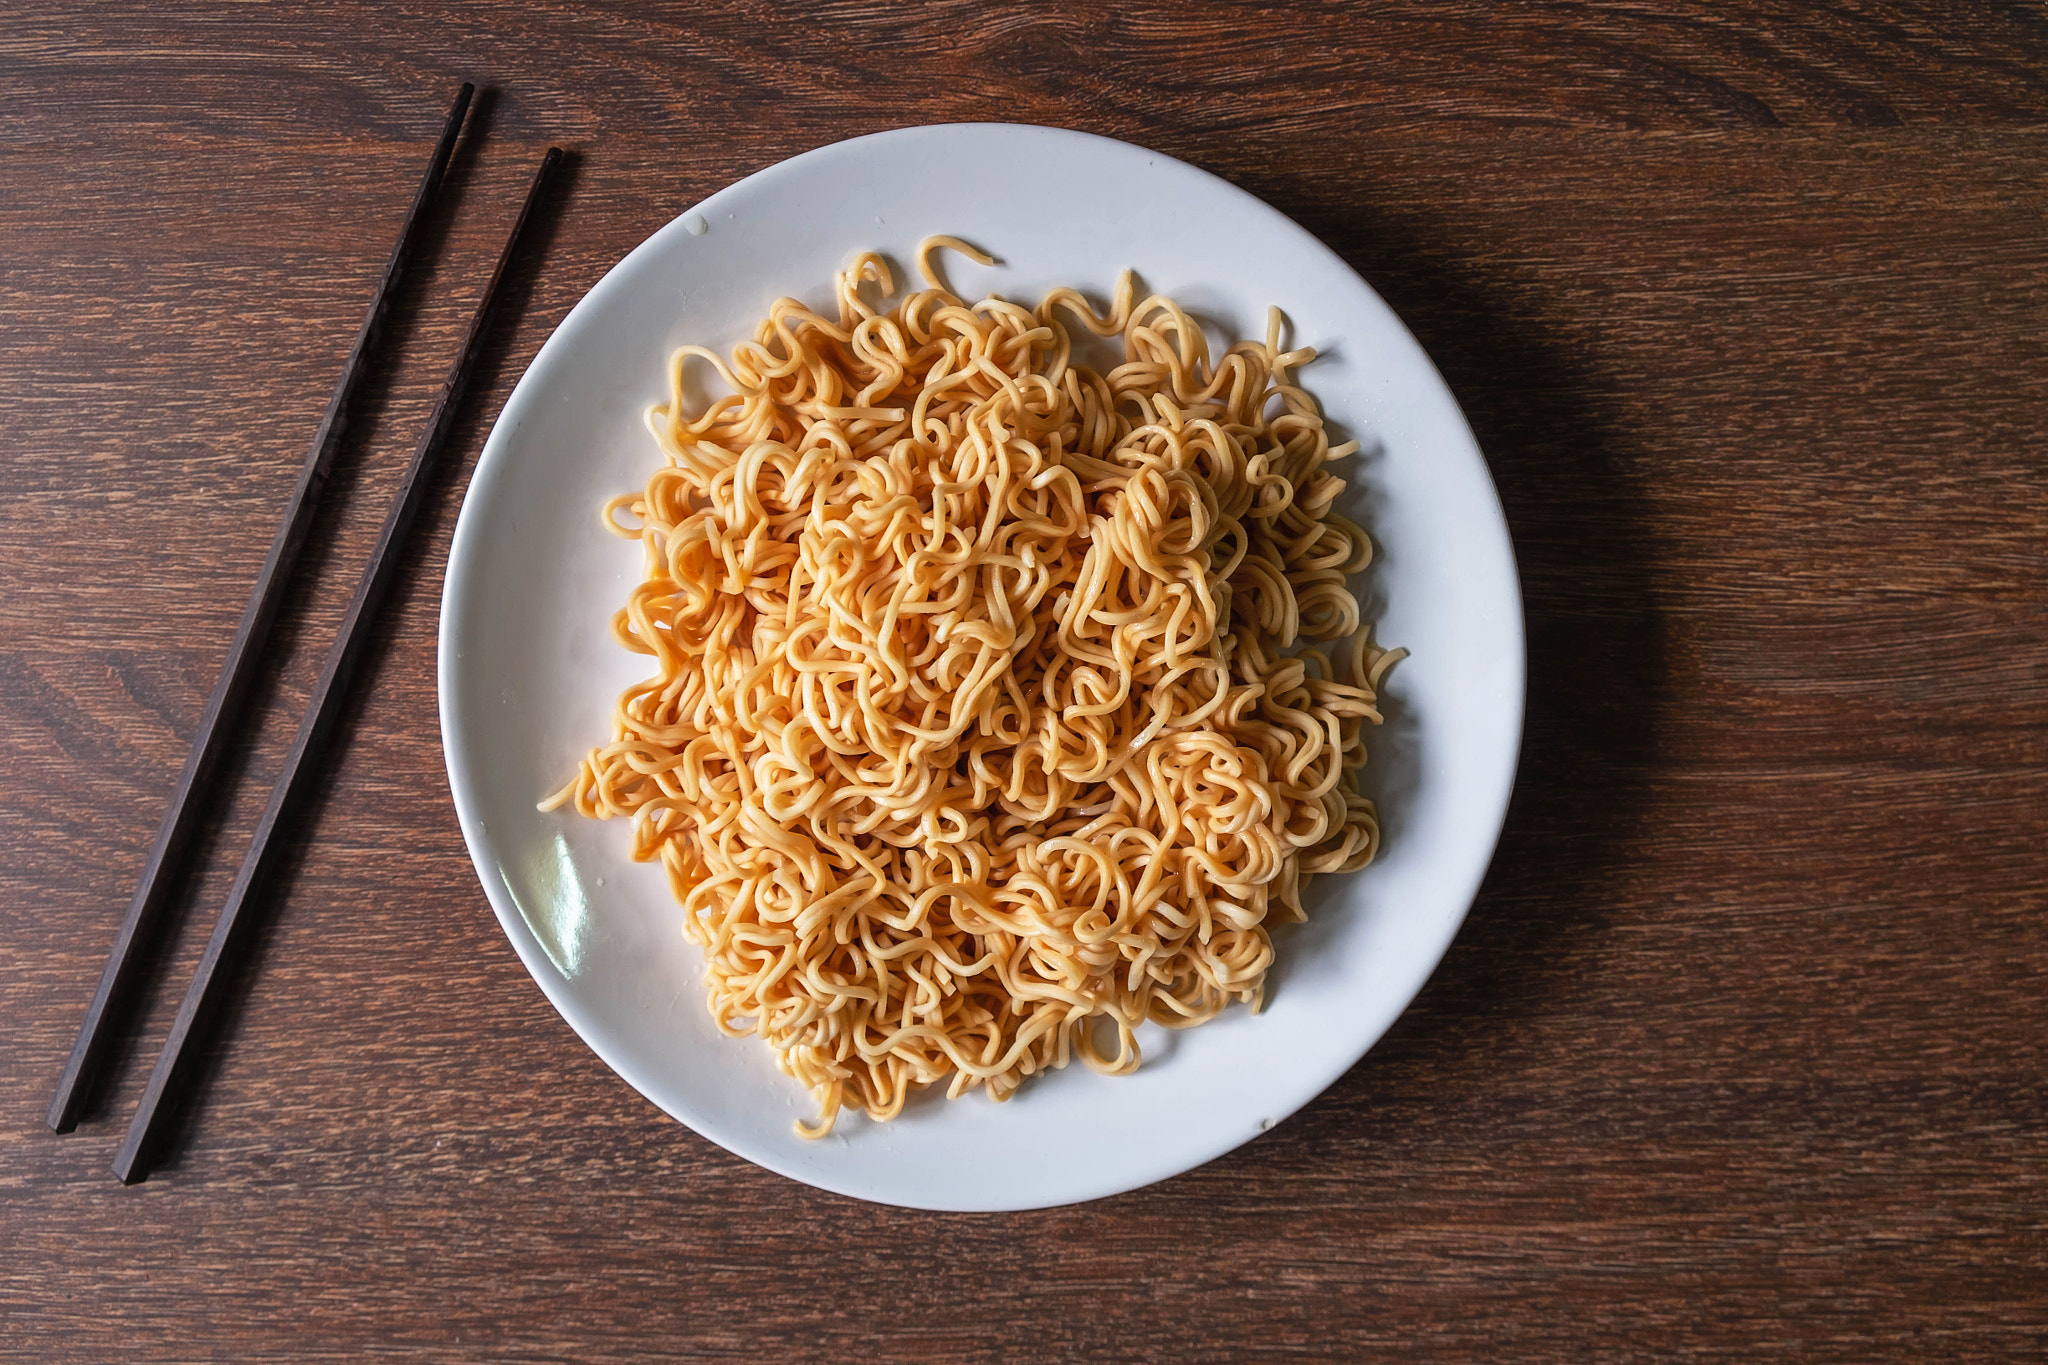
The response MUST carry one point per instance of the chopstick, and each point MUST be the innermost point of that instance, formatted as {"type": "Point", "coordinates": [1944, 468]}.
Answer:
{"type": "Point", "coordinates": [180, 822]}
{"type": "Point", "coordinates": [132, 1162]}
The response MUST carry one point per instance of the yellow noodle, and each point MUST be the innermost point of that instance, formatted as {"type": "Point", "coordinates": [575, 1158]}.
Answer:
{"type": "Point", "coordinates": [988, 720]}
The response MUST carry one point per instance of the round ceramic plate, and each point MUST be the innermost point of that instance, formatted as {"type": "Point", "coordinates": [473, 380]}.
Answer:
{"type": "Point", "coordinates": [529, 670]}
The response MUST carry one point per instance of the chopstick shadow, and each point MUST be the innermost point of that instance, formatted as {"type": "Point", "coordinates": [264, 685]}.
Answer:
{"type": "Point", "coordinates": [445, 481]}
{"type": "Point", "coordinates": [1596, 666]}
{"type": "Point", "coordinates": [465, 442]}
{"type": "Point", "coordinates": [241, 965]}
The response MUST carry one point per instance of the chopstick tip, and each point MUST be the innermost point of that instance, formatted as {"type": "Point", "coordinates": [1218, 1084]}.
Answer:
{"type": "Point", "coordinates": [129, 1168]}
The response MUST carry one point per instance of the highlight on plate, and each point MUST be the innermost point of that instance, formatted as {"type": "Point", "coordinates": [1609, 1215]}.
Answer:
{"type": "Point", "coordinates": [1001, 703]}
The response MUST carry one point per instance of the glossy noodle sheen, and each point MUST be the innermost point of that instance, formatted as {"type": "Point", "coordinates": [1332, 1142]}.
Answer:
{"type": "Point", "coordinates": [985, 725]}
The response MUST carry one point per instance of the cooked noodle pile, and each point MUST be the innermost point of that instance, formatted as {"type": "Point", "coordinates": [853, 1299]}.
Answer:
{"type": "Point", "coordinates": [984, 728]}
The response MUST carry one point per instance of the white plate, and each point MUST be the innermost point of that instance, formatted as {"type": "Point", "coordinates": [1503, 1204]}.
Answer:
{"type": "Point", "coordinates": [529, 670]}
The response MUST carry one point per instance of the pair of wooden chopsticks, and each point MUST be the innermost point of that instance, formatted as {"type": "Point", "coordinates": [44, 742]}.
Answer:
{"type": "Point", "coordinates": [118, 981]}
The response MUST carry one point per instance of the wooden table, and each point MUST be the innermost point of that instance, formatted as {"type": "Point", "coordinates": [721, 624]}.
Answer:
{"type": "Point", "coordinates": [1741, 1052]}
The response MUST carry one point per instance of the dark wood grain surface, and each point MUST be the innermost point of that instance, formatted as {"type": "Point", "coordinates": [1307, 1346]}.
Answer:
{"type": "Point", "coordinates": [1741, 1053]}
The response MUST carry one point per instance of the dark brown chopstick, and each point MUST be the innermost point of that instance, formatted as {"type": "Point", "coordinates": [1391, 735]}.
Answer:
{"type": "Point", "coordinates": [117, 981]}
{"type": "Point", "coordinates": [132, 1162]}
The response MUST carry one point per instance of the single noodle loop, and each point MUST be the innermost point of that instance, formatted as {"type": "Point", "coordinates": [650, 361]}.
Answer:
{"type": "Point", "coordinates": [988, 722]}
